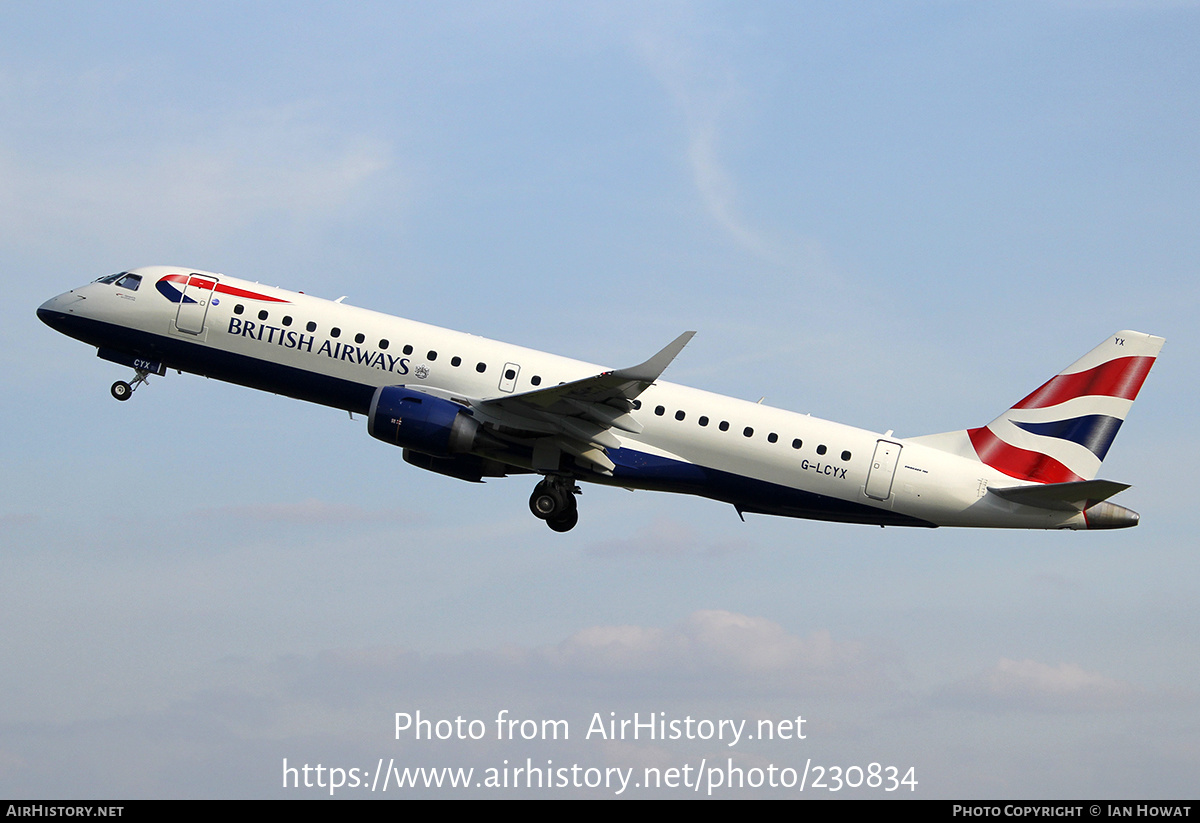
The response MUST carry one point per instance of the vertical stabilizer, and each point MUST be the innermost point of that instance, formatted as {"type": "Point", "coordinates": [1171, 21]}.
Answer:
{"type": "Point", "coordinates": [1061, 432]}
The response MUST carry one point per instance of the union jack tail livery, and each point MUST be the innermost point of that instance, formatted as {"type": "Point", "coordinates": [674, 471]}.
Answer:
{"type": "Point", "coordinates": [1061, 432]}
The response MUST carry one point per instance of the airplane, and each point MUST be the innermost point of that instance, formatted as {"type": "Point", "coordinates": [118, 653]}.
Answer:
{"type": "Point", "coordinates": [473, 408]}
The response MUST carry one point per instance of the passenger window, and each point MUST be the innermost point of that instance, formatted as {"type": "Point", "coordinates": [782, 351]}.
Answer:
{"type": "Point", "coordinates": [335, 332]}
{"type": "Point", "coordinates": [239, 308]}
{"type": "Point", "coordinates": [660, 410]}
{"type": "Point", "coordinates": [481, 367]}
{"type": "Point", "coordinates": [821, 449]}
{"type": "Point", "coordinates": [679, 415]}
{"type": "Point", "coordinates": [845, 455]}
{"type": "Point", "coordinates": [310, 326]}
{"type": "Point", "coordinates": [358, 338]}
{"type": "Point", "coordinates": [431, 356]}
{"type": "Point", "coordinates": [456, 361]}
{"type": "Point", "coordinates": [509, 374]}
{"type": "Point", "coordinates": [383, 344]}
{"type": "Point", "coordinates": [749, 432]}
{"type": "Point", "coordinates": [287, 320]}
{"type": "Point", "coordinates": [637, 404]}
{"type": "Point", "coordinates": [797, 443]}
{"type": "Point", "coordinates": [724, 426]}
{"type": "Point", "coordinates": [408, 349]}
{"type": "Point", "coordinates": [703, 420]}
{"type": "Point", "coordinates": [772, 438]}
{"type": "Point", "coordinates": [536, 380]}
{"type": "Point", "coordinates": [262, 315]}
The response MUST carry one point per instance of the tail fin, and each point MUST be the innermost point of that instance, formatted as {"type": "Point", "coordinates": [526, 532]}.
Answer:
{"type": "Point", "coordinates": [1061, 432]}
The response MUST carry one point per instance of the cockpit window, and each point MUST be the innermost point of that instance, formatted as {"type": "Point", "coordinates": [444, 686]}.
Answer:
{"type": "Point", "coordinates": [112, 278]}
{"type": "Point", "coordinates": [130, 281]}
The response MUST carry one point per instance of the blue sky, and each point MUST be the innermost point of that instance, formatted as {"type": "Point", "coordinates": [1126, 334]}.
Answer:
{"type": "Point", "coordinates": [899, 216]}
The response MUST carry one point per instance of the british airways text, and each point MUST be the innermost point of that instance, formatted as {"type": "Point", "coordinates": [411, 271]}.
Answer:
{"type": "Point", "coordinates": [289, 339]}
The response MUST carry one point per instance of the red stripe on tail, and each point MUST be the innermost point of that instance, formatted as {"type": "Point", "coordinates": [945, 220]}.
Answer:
{"type": "Point", "coordinates": [1020, 463]}
{"type": "Point", "coordinates": [1122, 377]}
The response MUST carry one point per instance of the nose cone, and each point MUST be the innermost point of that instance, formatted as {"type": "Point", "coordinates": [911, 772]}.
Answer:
{"type": "Point", "coordinates": [57, 311]}
{"type": "Point", "coordinates": [50, 313]}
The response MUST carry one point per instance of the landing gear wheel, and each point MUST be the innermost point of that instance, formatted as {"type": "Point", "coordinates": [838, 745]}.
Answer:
{"type": "Point", "coordinates": [566, 522]}
{"type": "Point", "coordinates": [553, 500]}
{"type": "Point", "coordinates": [548, 501]}
{"type": "Point", "coordinates": [123, 391]}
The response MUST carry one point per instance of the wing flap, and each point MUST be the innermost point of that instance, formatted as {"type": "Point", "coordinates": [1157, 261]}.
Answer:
{"type": "Point", "coordinates": [608, 416]}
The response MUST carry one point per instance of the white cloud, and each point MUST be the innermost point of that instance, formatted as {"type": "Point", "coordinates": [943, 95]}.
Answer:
{"type": "Point", "coordinates": [702, 94]}
{"type": "Point", "coordinates": [1033, 686]}
{"type": "Point", "coordinates": [709, 95]}
{"type": "Point", "coordinates": [709, 652]}
{"type": "Point", "coordinates": [190, 185]}
{"type": "Point", "coordinates": [716, 645]}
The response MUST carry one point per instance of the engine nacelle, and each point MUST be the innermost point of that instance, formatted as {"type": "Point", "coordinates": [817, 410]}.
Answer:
{"type": "Point", "coordinates": [418, 421]}
{"type": "Point", "coordinates": [467, 467]}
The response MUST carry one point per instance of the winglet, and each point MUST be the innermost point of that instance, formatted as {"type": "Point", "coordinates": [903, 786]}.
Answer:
{"type": "Point", "coordinates": [649, 371]}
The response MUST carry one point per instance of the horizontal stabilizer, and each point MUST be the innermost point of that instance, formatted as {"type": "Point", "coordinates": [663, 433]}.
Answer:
{"type": "Point", "coordinates": [1077, 496]}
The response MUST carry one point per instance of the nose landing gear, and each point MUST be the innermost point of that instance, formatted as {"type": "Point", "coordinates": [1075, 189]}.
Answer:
{"type": "Point", "coordinates": [123, 391]}
{"type": "Point", "coordinates": [553, 500]}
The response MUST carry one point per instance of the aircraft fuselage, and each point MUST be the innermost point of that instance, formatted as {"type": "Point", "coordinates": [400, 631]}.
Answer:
{"type": "Point", "coordinates": [663, 437]}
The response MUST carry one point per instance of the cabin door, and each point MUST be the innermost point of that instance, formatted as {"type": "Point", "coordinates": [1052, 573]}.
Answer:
{"type": "Point", "coordinates": [883, 469]}
{"type": "Point", "coordinates": [193, 308]}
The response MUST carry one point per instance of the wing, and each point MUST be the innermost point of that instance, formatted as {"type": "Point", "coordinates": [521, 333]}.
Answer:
{"type": "Point", "coordinates": [577, 417]}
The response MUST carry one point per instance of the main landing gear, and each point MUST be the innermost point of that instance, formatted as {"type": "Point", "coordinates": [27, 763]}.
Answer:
{"type": "Point", "coordinates": [553, 500]}
{"type": "Point", "coordinates": [123, 391]}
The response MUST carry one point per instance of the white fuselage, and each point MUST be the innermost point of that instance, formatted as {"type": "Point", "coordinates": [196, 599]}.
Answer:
{"type": "Point", "coordinates": [759, 458]}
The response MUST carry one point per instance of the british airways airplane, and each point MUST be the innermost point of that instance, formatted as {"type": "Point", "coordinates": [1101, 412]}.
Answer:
{"type": "Point", "coordinates": [472, 408]}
